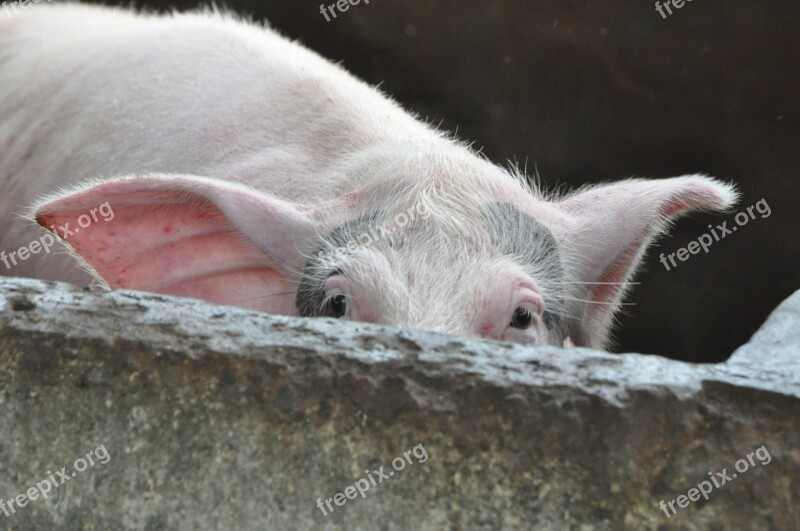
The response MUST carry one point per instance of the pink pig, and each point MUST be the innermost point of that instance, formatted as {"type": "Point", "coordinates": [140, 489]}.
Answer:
{"type": "Point", "coordinates": [229, 164]}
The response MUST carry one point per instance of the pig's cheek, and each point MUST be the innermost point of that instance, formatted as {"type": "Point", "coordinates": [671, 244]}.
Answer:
{"type": "Point", "coordinates": [356, 314]}
{"type": "Point", "coordinates": [363, 311]}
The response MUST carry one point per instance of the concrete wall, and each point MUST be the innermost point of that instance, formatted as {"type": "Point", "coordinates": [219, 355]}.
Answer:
{"type": "Point", "coordinates": [212, 417]}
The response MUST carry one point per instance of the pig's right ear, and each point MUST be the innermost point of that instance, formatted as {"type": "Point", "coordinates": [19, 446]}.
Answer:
{"type": "Point", "coordinates": [185, 235]}
{"type": "Point", "coordinates": [610, 227]}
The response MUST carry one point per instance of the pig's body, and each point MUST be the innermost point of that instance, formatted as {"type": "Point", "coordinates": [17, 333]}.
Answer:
{"type": "Point", "coordinates": [87, 92]}
{"type": "Point", "coordinates": [241, 167]}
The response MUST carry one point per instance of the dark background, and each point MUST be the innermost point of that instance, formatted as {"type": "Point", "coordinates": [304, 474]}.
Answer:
{"type": "Point", "coordinates": [589, 91]}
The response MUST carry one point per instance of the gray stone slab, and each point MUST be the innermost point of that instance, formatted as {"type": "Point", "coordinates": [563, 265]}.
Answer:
{"type": "Point", "coordinates": [219, 418]}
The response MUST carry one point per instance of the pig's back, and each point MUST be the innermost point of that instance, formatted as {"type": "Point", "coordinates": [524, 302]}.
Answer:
{"type": "Point", "coordinates": [89, 92]}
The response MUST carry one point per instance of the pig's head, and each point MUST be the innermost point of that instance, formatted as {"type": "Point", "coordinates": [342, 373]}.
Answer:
{"type": "Point", "coordinates": [469, 249]}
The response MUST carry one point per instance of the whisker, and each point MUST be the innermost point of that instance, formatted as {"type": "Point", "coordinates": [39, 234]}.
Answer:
{"type": "Point", "coordinates": [596, 302]}
{"type": "Point", "coordinates": [263, 297]}
{"type": "Point", "coordinates": [564, 315]}
{"type": "Point", "coordinates": [604, 283]}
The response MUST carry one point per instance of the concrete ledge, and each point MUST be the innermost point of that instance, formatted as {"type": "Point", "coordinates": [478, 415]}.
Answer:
{"type": "Point", "coordinates": [220, 418]}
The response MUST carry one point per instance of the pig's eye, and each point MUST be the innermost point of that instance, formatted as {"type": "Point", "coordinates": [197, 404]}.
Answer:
{"type": "Point", "coordinates": [522, 318]}
{"type": "Point", "coordinates": [335, 305]}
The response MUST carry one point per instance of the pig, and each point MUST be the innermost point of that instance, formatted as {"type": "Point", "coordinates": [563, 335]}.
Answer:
{"type": "Point", "coordinates": [205, 156]}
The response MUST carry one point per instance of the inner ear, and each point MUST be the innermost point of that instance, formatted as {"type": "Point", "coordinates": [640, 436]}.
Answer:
{"type": "Point", "coordinates": [187, 236]}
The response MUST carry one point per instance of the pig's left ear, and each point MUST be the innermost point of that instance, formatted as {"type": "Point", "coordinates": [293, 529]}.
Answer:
{"type": "Point", "coordinates": [184, 235]}
{"type": "Point", "coordinates": [611, 226]}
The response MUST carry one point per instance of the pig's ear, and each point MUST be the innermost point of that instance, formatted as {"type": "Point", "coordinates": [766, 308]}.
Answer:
{"type": "Point", "coordinates": [611, 226]}
{"type": "Point", "coordinates": [184, 235]}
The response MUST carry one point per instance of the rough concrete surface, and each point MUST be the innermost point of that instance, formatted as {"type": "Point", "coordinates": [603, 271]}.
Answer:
{"type": "Point", "coordinates": [219, 418]}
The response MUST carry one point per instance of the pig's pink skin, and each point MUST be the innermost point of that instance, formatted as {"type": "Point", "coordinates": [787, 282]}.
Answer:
{"type": "Point", "coordinates": [226, 152]}
{"type": "Point", "coordinates": [89, 92]}
{"type": "Point", "coordinates": [175, 241]}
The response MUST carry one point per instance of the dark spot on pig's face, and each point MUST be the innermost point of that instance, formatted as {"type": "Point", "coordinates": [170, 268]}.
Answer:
{"type": "Point", "coordinates": [492, 271]}
{"type": "Point", "coordinates": [326, 261]}
{"type": "Point", "coordinates": [532, 244]}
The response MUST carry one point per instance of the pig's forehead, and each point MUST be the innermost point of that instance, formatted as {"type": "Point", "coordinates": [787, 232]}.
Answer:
{"type": "Point", "coordinates": [465, 196]}
{"type": "Point", "coordinates": [418, 166]}
{"type": "Point", "coordinates": [455, 231]}
{"type": "Point", "coordinates": [479, 211]}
